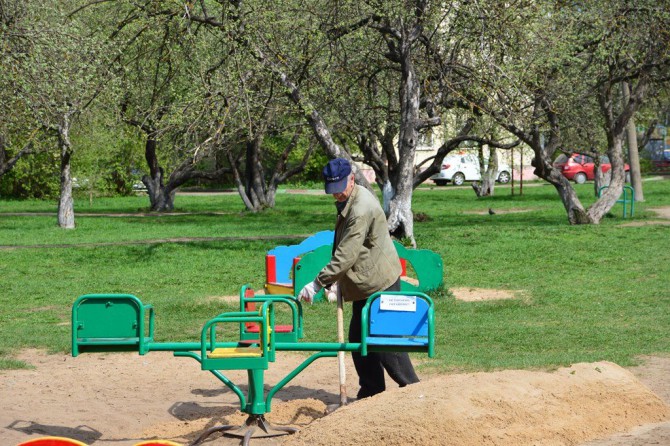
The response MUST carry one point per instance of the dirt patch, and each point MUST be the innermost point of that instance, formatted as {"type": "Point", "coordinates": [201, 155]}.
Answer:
{"type": "Point", "coordinates": [121, 399]}
{"type": "Point", "coordinates": [637, 224]}
{"type": "Point", "coordinates": [157, 241]}
{"type": "Point", "coordinates": [479, 294]}
{"type": "Point", "coordinates": [228, 299]}
{"type": "Point", "coordinates": [662, 212]}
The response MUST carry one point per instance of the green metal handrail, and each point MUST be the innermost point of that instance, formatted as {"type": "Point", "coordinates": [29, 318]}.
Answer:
{"type": "Point", "coordinates": [625, 199]}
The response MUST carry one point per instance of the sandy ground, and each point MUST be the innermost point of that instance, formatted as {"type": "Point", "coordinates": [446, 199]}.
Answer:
{"type": "Point", "coordinates": [122, 399]}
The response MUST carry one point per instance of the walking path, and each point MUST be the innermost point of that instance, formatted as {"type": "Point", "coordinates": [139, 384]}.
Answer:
{"type": "Point", "coordinates": [157, 241]}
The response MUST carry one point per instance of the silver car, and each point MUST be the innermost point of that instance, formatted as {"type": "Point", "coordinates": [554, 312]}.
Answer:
{"type": "Point", "coordinates": [459, 168]}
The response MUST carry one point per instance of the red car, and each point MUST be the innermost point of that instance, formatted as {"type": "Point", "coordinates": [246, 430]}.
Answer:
{"type": "Point", "coordinates": [580, 168]}
{"type": "Point", "coordinates": [663, 164]}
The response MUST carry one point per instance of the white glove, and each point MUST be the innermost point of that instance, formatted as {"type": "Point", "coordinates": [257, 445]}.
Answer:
{"type": "Point", "coordinates": [333, 293]}
{"type": "Point", "coordinates": [309, 291]}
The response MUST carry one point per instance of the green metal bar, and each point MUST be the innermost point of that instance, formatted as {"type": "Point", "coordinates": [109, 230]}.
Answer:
{"type": "Point", "coordinates": [631, 200]}
{"type": "Point", "coordinates": [143, 346]}
{"type": "Point", "coordinates": [256, 405]}
{"type": "Point", "coordinates": [233, 316]}
{"type": "Point", "coordinates": [625, 200]}
{"type": "Point", "coordinates": [225, 318]}
{"type": "Point", "coordinates": [296, 308]}
{"type": "Point", "coordinates": [74, 327]}
{"type": "Point", "coordinates": [293, 374]}
{"type": "Point", "coordinates": [140, 329]}
{"type": "Point", "coordinates": [365, 325]}
{"type": "Point", "coordinates": [184, 346]}
{"type": "Point", "coordinates": [220, 376]}
{"type": "Point", "coordinates": [318, 346]}
{"type": "Point", "coordinates": [431, 329]}
{"type": "Point", "coordinates": [279, 346]}
{"type": "Point", "coordinates": [231, 386]}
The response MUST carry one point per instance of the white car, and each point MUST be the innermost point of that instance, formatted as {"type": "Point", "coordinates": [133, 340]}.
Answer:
{"type": "Point", "coordinates": [460, 168]}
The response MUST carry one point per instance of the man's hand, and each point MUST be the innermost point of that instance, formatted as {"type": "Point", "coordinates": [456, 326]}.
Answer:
{"type": "Point", "coordinates": [309, 291]}
{"type": "Point", "coordinates": [333, 292]}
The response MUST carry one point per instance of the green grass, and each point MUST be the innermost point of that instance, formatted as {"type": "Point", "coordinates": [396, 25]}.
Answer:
{"type": "Point", "coordinates": [585, 293]}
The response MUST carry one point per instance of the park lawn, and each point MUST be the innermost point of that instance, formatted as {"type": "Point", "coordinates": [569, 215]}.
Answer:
{"type": "Point", "coordinates": [584, 293]}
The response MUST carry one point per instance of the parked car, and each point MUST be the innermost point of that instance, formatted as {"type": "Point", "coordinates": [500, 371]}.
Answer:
{"type": "Point", "coordinates": [580, 168]}
{"type": "Point", "coordinates": [662, 164]}
{"type": "Point", "coordinates": [459, 168]}
{"type": "Point", "coordinates": [136, 177]}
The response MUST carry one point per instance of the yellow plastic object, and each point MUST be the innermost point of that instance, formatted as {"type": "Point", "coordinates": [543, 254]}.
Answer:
{"type": "Point", "coordinates": [278, 288]}
{"type": "Point", "coordinates": [236, 352]}
{"type": "Point", "coordinates": [52, 441]}
{"type": "Point", "coordinates": [157, 443]}
{"type": "Point", "coordinates": [267, 324]}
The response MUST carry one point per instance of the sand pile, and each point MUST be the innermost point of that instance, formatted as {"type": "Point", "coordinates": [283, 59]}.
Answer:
{"type": "Point", "coordinates": [567, 407]}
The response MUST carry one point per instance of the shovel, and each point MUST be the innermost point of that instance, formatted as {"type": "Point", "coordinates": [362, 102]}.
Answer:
{"type": "Point", "coordinates": [340, 356]}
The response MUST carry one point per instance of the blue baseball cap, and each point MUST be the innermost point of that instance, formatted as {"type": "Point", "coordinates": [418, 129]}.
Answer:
{"type": "Point", "coordinates": [336, 174]}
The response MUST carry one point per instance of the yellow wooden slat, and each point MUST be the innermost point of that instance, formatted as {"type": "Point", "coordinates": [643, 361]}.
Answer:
{"type": "Point", "coordinates": [236, 352]}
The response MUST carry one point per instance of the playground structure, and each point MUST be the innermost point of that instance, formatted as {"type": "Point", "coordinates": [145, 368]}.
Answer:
{"type": "Point", "coordinates": [249, 339]}
{"type": "Point", "coordinates": [289, 268]}
{"type": "Point", "coordinates": [280, 261]}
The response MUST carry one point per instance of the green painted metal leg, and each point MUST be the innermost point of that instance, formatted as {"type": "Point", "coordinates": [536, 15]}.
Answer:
{"type": "Point", "coordinates": [256, 425]}
{"type": "Point", "coordinates": [255, 400]}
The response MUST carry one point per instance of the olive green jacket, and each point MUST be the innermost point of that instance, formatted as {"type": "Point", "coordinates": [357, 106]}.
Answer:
{"type": "Point", "coordinates": [364, 258]}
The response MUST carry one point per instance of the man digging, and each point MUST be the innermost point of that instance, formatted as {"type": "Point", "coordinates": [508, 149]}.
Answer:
{"type": "Point", "coordinates": [364, 261]}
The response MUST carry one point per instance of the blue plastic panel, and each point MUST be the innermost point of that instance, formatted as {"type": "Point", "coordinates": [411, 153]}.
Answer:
{"type": "Point", "coordinates": [399, 323]}
{"type": "Point", "coordinates": [284, 255]}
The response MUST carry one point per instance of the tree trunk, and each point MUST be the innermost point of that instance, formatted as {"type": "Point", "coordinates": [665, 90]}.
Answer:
{"type": "Point", "coordinates": [250, 182]}
{"type": "Point", "coordinates": [543, 168]}
{"type": "Point", "coordinates": [612, 193]}
{"type": "Point", "coordinates": [600, 178]}
{"type": "Point", "coordinates": [66, 202]}
{"type": "Point", "coordinates": [488, 174]}
{"type": "Point", "coordinates": [254, 177]}
{"type": "Point", "coordinates": [576, 213]}
{"type": "Point", "coordinates": [633, 153]}
{"type": "Point", "coordinates": [615, 127]}
{"type": "Point", "coordinates": [401, 218]}
{"type": "Point", "coordinates": [161, 197]}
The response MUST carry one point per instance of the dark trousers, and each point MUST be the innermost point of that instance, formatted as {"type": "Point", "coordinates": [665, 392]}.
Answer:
{"type": "Point", "coordinates": [371, 368]}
